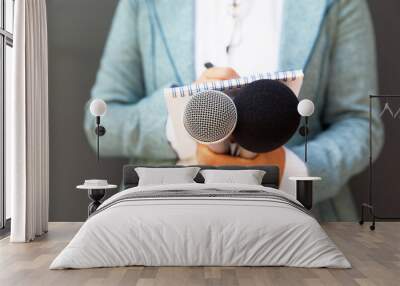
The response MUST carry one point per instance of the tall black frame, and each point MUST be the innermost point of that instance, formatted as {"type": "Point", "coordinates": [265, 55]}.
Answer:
{"type": "Point", "coordinates": [6, 39]}
{"type": "Point", "coordinates": [369, 206]}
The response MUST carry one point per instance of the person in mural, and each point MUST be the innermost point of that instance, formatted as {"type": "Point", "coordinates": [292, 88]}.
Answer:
{"type": "Point", "coordinates": [157, 44]}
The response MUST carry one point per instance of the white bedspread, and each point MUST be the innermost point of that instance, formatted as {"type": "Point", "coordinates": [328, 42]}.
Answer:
{"type": "Point", "coordinates": [182, 231]}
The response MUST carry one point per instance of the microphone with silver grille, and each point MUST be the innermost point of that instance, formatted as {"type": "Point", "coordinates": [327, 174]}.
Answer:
{"type": "Point", "coordinates": [210, 118]}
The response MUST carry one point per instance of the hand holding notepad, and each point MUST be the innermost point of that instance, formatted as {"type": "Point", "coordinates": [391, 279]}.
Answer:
{"type": "Point", "coordinates": [217, 73]}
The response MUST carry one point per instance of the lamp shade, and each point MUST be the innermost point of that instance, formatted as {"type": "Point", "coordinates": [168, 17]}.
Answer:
{"type": "Point", "coordinates": [305, 107]}
{"type": "Point", "coordinates": [98, 107]}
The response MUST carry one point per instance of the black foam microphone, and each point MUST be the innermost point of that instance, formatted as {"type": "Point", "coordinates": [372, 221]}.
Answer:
{"type": "Point", "coordinates": [267, 115]}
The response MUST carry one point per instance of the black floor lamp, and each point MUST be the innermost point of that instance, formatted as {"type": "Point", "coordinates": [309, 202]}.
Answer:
{"type": "Point", "coordinates": [98, 108]}
{"type": "Point", "coordinates": [305, 109]}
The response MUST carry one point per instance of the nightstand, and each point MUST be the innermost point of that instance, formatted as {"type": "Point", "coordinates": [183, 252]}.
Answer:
{"type": "Point", "coordinates": [304, 190]}
{"type": "Point", "coordinates": [96, 194]}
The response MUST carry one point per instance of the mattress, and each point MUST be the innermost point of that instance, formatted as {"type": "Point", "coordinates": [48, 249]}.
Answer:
{"type": "Point", "coordinates": [201, 225]}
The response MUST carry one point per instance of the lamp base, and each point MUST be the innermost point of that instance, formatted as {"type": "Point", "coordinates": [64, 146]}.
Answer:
{"type": "Point", "coordinates": [100, 130]}
{"type": "Point", "coordinates": [303, 130]}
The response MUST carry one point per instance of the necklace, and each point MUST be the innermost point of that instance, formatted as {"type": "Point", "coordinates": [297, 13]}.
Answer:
{"type": "Point", "coordinates": [237, 13]}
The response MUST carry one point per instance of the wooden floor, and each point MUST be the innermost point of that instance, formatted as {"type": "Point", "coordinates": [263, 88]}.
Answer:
{"type": "Point", "coordinates": [375, 257]}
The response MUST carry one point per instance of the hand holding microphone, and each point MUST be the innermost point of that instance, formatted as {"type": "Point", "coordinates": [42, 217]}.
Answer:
{"type": "Point", "coordinates": [205, 156]}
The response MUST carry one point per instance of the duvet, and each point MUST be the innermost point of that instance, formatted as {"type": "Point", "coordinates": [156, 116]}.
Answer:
{"type": "Point", "coordinates": [201, 224]}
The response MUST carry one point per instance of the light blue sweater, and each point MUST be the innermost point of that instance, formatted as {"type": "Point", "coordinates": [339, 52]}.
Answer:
{"type": "Point", "coordinates": [151, 46]}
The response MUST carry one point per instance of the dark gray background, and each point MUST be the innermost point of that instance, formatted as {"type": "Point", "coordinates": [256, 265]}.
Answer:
{"type": "Point", "coordinates": [77, 32]}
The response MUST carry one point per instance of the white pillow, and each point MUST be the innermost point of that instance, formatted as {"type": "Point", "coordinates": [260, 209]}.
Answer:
{"type": "Point", "coordinates": [165, 176]}
{"type": "Point", "coordinates": [248, 177]}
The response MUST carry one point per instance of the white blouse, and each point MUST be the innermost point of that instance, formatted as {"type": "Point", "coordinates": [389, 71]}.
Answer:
{"type": "Point", "coordinates": [255, 37]}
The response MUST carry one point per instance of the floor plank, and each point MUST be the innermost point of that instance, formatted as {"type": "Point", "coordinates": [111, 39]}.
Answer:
{"type": "Point", "coordinates": [375, 257]}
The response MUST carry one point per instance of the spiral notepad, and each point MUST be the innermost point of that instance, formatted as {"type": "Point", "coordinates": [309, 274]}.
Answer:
{"type": "Point", "coordinates": [177, 98]}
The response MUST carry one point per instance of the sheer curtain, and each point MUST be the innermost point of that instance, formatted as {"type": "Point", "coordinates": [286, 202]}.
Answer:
{"type": "Point", "coordinates": [27, 143]}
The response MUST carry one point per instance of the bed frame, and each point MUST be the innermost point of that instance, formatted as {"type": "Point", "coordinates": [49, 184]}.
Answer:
{"type": "Point", "coordinates": [271, 177]}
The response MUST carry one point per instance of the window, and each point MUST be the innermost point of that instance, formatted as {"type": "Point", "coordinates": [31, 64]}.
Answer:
{"type": "Point", "coordinates": [6, 44]}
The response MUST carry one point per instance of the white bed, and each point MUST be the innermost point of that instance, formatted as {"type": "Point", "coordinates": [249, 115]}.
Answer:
{"type": "Point", "coordinates": [267, 229]}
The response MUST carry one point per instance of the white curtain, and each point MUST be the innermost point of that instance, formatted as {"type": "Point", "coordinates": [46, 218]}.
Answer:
{"type": "Point", "coordinates": [27, 143]}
